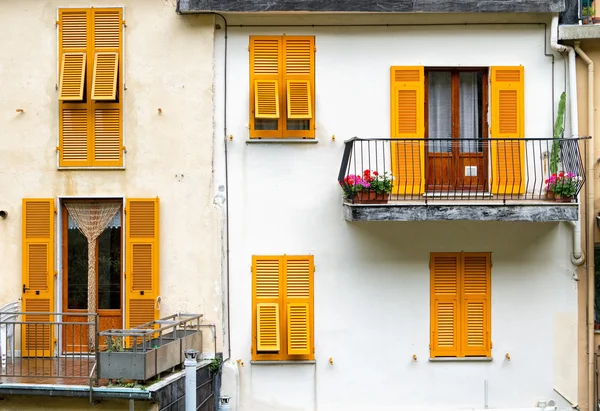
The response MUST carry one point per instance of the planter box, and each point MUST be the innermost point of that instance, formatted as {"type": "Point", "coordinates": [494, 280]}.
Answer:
{"type": "Point", "coordinates": [143, 362]}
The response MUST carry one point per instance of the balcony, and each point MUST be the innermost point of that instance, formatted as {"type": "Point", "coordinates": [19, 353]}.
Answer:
{"type": "Point", "coordinates": [580, 21]}
{"type": "Point", "coordinates": [464, 179]}
{"type": "Point", "coordinates": [388, 6]}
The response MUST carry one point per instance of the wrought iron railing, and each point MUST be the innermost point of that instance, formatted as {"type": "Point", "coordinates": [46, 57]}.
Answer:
{"type": "Point", "coordinates": [442, 169]}
{"type": "Point", "coordinates": [43, 346]}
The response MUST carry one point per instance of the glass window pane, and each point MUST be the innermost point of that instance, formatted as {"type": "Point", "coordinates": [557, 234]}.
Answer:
{"type": "Point", "coordinates": [439, 92]}
{"type": "Point", "coordinates": [471, 101]}
{"type": "Point", "coordinates": [109, 266]}
{"type": "Point", "coordinates": [265, 124]}
{"type": "Point", "coordinates": [77, 269]}
{"type": "Point", "coordinates": [298, 124]}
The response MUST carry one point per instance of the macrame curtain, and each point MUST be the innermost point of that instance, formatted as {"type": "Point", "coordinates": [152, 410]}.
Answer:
{"type": "Point", "coordinates": [92, 219]}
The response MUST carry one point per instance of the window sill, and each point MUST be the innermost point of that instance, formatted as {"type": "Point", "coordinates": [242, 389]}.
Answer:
{"type": "Point", "coordinates": [282, 141]}
{"type": "Point", "coordinates": [89, 168]}
{"type": "Point", "coordinates": [461, 359]}
{"type": "Point", "coordinates": [282, 362]}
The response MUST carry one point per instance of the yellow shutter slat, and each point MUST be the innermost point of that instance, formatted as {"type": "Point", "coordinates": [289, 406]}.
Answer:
{"type": "Point", "coordinates": [72, 76]}
{"type": "Point", "coordinates": [73, 141]}
{"type": "Point", "coordinates": [107, 28]}
{"type": "Point", "coordinates": [298, 55]}
{"type": "Point", "coordinates": [38, 275]}
{"type": "Point", "coordinates": [104, 79]}
{"type": "Point", "coordinates": [298, 277]}
{"type": "Point", "coordinates": [267, 274]}
{"type": "Point", "coordinates": [508, 105]}
{"type": "Point", "coordinates": [266, 99]}
{"type": "Point", "coordinates": [264, 56]}
{"type": "Point", "coordinates": [267, 326]}
{"type": "Point", "coordinates": [142, 260]}
{"type": "Point", "coordinates": [72, 29]}
{"type": "Point", "coordinates": [476, 304]}
{"type": "Point", "coordinates": [408, 122]}
{"type": "Point", "coordinates": [298, 326]}
{"type": "Point", "coordinates": [107, 132]}
{"type": "Point", "coordinates": [444, 304]}
{"type": "Point", "coordinates": [299, 102]}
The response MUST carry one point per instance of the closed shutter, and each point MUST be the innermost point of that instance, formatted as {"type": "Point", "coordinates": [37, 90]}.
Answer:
{"type": "Point", "coordinates": [266, 273]}
{"type": "Point", "coordinates": [265, 85]}
{"type": "Point", "coordinates": [299, 63]}
{"type": "Point", "coordinates": [105, 99]}
{"type": "Point", "coordinates": [38, 276]}
{"type": "Point", "coordinates": [445, 330]}
{"type": "Point", "coordinates": [142, 261]}
{"type": "Point", "coordinates": [298, 297]}
{"type": "Point", "coordinates": [475, 304]}
{"type": "Point", "coordinates": [74, 137]}
{"type": "Point", "coordinates": [508, 113]}
{"type": "Point", "coordinates": [408, 122]}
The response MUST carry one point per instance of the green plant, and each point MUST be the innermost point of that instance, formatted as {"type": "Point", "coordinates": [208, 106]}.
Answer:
{"type": "Point", "coordinates": [558, 131]}
{"type": "Point", "coordinates": [563, 184]}
{"type": "Point", "coordinates": [368, 181]}
{"type": "Point", "coordinates": [588, 11]}
{"type": "Point", "coordinates": [115, 344]}
{"type": "Point", "coordinates": [215, 364]}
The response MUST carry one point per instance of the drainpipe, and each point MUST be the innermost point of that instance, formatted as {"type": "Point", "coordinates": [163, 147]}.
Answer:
{"type": "Point", "coordinates": [577, 258]}
{"type": "Point", "coordinates": [591, 221]}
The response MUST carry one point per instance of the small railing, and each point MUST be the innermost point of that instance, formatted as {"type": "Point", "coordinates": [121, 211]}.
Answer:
{"type": "Point", "coordinates": [48, 346]}
{"type": "Point", "coordinates": [434, 169]}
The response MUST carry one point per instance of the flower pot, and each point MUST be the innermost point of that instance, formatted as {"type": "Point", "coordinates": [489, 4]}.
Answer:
{"type": "Point", "coordinates": [371, 197]}
{"type": "Point", "coordinates": [550, 196]}
{"type": "Point", "coordinates": [563, 199]}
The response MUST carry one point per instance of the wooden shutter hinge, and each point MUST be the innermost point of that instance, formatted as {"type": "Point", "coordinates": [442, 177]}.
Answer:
{"type": "Point", "coordinates": [491, 345]}
{"type": "Point", "coordinates": [124, 148]}
{"type": "Point", "coordinates": [55, 273]}
{"type": "Point", "coordinates": [57, 149]}
{"type": "Point", "coordinates": [124, 23]}
{"type": "Point", "coordinates": [57, 23]}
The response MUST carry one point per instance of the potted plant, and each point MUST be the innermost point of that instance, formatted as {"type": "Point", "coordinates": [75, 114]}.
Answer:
{"type": "Point", "coordinates": [588, 13]}
{"type": "Point", "coordinates": [371, 187]}
{"type": "Point", "coordinates": [564, 186]}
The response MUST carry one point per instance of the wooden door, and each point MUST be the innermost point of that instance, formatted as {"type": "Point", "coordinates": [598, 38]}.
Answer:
{"type": "Point", "coordinates": [456, 128]}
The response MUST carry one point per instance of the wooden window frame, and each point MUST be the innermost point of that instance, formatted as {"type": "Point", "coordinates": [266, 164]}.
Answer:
{"type": "Point", "coordinates": [283, 354]}
{"type": "Point", "coordinates": [461, 333]}
{"type": "Point", "coordinates": [90, 103]}
{"type": "Point", "coordinates": [282, 78]}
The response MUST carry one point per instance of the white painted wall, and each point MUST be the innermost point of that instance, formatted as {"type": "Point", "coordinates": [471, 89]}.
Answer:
{"type": "Point", "coordinates": [372, 279]}
{"type": "Point", "coordinates": [168, 65]}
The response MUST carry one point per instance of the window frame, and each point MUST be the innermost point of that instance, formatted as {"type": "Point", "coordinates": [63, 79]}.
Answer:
{"type": "Point", "coordinates": [282, 91]}
{"type": "Point", "coordinates": [282, 355]}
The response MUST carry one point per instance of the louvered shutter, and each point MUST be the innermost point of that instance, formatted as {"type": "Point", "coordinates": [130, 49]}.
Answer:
{"type": "Point", "coordinates": [298, 297]}
{"type": "Point", "coordinates": [142, 261]}
{"type": "Point", "coordinates": [107, 108]}
{"type": "Point", "coordinates": [408, 122]}
{"type": "Point", "coordinates": [266, 276]}
{"type": "Point", "coordinates": [74, 137]}
{"type": "Point", "coordinates": [508, 113]}
{"type": "Point", "coordinates": [38, 276]}
{"type": "Point", "coordinates": [445, 305]}
{"type": "Point", "coordinates": [475, 338]}
{"type": "Point", "coordinates": [265, 87]}
{"type": "Point", "coordinates": [299, 62]}
{"type": "Point", "coordinates": [72, 36]}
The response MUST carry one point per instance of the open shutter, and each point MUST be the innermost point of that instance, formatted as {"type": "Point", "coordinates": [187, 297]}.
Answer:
{"type": "Point", "coordinates": [265, 87]}
{"type": "Point", "coordinates": [475, 338]}
{"type": "Point", "coordinates": [298, 297]}
{"type": "Point", "coordinates": [142, 261]}
{"type": "Point", "coordinates": [508, 105]}
{"type": "Point", "coordinates": [444, 305]}
{"type": "Point", "coordinates": [38, 276]}
{"type": "Point", "coordinates": [408, 122]}
{"type": "Point", "coordinates": [72, 76]}
{"type": "Point", "coordinates": [266, 275]}
{"type": "Point", "coordinates": [299, 100]}
{"type": "Point", "coordinates": [104, 80]}
{"type": "Point", "coordinates": [266, 98]}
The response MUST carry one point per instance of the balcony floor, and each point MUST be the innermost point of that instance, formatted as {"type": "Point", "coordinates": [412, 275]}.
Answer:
{"type": "Point", "coordinates": [465, 210]}
{"type": "Point", "coordinates": [60, 371]}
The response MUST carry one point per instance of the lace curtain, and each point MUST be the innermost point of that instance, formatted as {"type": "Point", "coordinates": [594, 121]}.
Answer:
{"type": "Point", "coordinates": [92, 219]}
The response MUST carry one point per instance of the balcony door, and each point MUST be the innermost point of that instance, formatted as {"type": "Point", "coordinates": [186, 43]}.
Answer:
{"type": "Point", "coordinates": [107, 290]}
{"type": "Point", "coordinates": [456, 128]}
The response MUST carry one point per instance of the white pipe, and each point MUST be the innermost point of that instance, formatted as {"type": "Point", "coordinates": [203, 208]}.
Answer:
{"type": "Point", "coordinates": [577, 257]}
{"type": "Point", "coordinates": [190, 364]}
{"type": "Point", "coordinates": [591, 220]}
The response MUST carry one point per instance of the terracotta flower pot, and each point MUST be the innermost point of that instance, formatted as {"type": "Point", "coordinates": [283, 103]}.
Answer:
{"type": "Point", "coordinates": [563, 199]}
{"type": "Point", "coordinates": [550, 195]}
{"type": "Point", "coordinates": [370, 197]}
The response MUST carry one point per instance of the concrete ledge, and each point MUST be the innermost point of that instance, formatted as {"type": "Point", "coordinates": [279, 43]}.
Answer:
{"type": "Point", "coordinates": [301, 362]}
{"type": "Point", "coordinates": [462, 359]}
{"type": "Point", "coordinates": [282, 141]}
{"type": "Point", "coordinates": [382, 6]}
{"type": "Point", "coordinates": [468, 212]}
{"type": "Point", "coordinates": [577, 32]}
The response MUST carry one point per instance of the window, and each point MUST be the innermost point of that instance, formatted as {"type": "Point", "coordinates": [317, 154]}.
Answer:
{"type": "Point", "coordinates": [282, 93]}
{"type": "Point", "coordinates": [449, 107]}
{"type": "Point", "coordinates": [282, 301]}
{"type": "Point", "coordinates": [90, 90]}
{"type": "Point", "coordinates": [460, 305]}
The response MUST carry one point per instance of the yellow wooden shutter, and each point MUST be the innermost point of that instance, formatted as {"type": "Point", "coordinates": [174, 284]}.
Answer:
{"type": "Point", "coordinates": [142, 261]}
{"type": "Point", "coordinates": [74, 137]}
{"type": "Point", "coordinates": [104, 80]}
{"type": "Point", "coordinates": [508, 115]}
{"type": "Point", "coordinates": [475, 306]}
{"type": "Point", "coordinates": [72, 76]}
{"type": "Point", "coordinates": [299, 81]}
{"type": "Point", "coordinates": [38, 276]}
{"type": "Point", "coordinates": [299, 101]}
{"type": "Point", "coordinates": [298, 298]}
{"type": "Point", "coordinates": [107, 135]}
{"type": "Point", "coordinates": [266, 280]}
{"type": "Point", "coordinates": [266, 99]}
{"type": "Point", "coordinates": [72, 36]}
{"type": "Point", "coordinates": [445, 308]}
{"type": "Point", "coordinates": [408, 121]}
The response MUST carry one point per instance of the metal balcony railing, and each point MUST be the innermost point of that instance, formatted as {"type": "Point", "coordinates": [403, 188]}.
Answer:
{"type": "Point", "coordinates": [433, 169]}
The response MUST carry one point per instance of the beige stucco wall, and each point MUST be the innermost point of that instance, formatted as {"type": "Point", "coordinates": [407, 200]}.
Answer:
{"type": "Point", "coordinates": [68, 404]}
{"type": "Point", "coordinates": [168, 65]}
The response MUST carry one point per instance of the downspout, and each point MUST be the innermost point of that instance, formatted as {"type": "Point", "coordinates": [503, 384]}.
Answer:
{"type": "Point", "coordinates": [577, 258]}
{"type": "Point", "coordinates": [591, 221]}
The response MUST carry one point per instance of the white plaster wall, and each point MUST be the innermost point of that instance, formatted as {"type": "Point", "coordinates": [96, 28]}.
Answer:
{"type": "Point", "coordinates": [168, 65]}
{"type": "Point", "coordinates": [372, 279]}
